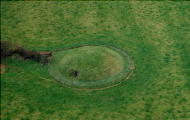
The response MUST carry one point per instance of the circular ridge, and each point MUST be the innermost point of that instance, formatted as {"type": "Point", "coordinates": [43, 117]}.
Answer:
{"type": "Point", "coordinates": [72, 65]}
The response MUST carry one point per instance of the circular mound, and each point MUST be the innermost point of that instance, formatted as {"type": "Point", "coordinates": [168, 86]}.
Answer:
{"type": "Point", "coordinates": [90, 67]}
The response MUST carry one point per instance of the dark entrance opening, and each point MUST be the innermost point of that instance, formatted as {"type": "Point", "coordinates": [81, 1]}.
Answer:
{"type": "Point", "coordinates": [74, 73]}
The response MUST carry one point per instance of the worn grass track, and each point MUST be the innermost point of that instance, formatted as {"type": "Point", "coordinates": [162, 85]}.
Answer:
{"type": "Point", "coordinates": [155, 34]}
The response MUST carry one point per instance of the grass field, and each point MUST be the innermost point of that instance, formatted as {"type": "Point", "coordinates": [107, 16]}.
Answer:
{"type": "Point", "coordinates": [155, 34]}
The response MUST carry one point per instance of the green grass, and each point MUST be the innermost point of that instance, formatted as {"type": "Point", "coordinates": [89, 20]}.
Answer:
{"type": "Point", "coordinates": [155, 34]}
{"type": "Point", "coordinates": [97, 66]}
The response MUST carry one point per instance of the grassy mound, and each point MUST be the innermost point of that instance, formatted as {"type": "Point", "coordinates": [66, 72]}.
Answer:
{"type": "Point", "coordinates": [89, 66]}
{"type": "Point", "coordinates": [156, 34]}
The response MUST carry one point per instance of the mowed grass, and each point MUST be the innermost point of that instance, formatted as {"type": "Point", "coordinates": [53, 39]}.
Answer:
{"type": "Point", "coordinates": [155, 34]}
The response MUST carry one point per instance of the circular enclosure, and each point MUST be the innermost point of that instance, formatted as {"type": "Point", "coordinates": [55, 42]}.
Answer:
{"type": "Point", "coordinates": [90, 67]}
